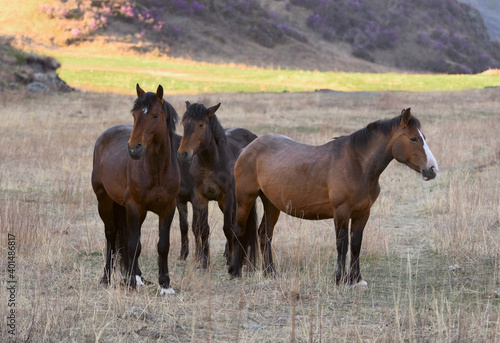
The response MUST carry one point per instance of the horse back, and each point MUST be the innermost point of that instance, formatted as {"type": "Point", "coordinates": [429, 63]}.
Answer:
{"type": "Point", "coordinates": [238, 139]}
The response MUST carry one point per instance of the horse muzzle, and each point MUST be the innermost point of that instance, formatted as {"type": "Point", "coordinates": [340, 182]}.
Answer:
{"type": "Point", "coordinates": [429, 173]}
{"type": "Point", "coordinates": [136, 152]}
{"type": "Point", "coordinates": [185, 157]}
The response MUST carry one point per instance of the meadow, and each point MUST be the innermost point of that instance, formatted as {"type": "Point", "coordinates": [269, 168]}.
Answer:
{"type": "Point", "coordinates": [109, 73]}
{"type": "Point", "coordinates": [430, 253]}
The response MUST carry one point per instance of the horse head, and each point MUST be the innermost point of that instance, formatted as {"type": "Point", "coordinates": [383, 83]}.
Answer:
{"type": "Point", "coordinates": [197, 130]}
{"type": "Point", "coordinates": [411, 148]}
{"type": "Point", "coordinates": [150, 121]}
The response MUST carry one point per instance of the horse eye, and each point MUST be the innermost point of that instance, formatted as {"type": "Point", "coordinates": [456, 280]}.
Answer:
{"type": "Point", "coordinates": [155, 116]}
{"type": "Point", "coordinates": [414, 139]}
{"type": "Point", "coordinates": [201, 125]}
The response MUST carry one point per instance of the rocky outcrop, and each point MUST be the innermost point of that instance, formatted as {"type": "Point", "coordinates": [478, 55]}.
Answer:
{"type": "Point", "coordinates": [34, 73]}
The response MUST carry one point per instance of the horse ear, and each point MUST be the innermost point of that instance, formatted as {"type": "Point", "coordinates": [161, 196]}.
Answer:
{"type": "Point", "coordinates": [139, 90]}
{"type": "Point", "coordinates": [212, 110]}
{"type": "Point", "coordinates": [187, 105]}
{"type": "Point", "coordinates": [405, 117]}
{"type": "Point", "coordinates": [159, 94]}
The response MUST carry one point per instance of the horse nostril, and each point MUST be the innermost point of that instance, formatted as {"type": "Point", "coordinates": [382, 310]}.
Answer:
{"type": "Point", "coordinates": [184, 155]}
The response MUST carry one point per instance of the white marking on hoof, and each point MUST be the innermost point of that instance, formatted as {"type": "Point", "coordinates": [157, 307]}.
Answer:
{"type": "Point", "coordinates": [138, 280]}
{"type": "Point", "coordinates": [166, 291]}
{"type": "Point", "coordinates": [362, 285]}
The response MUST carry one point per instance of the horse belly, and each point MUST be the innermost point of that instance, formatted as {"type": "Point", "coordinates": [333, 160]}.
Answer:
{"type": "Point", "coordinates": [298, 201]}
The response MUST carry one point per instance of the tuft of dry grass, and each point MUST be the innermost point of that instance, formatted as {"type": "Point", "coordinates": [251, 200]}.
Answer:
{"type": "Point", "coordinates": [416, 231]}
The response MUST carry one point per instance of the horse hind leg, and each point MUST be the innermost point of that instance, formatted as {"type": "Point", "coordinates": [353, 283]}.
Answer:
{"type": "Point", "coordinates": [106, 207]}
{"type": "Point", "coordinates": [266, 230]}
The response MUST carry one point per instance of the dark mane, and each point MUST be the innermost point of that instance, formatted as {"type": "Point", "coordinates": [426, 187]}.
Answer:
{"type": "Point", "coordinates": [198, 112]}
{"type": "Point", "coordinates": [361, 137]}
{"type": "Point", "coordinates": [148, 99]}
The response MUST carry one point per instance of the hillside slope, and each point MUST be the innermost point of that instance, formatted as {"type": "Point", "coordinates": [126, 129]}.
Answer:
{"type": "Point", "coordinates": [490, 11]}
{"type": "Point", "coordinates": [344, 35]}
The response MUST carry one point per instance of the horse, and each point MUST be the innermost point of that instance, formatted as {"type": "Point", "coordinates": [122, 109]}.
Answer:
{"type": "Point", "coordinates": [135, 170]}
{"type": "Point", "coordinates": [212, 152]}
{"type": "Point", "coordinates": [185, 195]}
{"type": "Point", "coordinates": [338, 180]}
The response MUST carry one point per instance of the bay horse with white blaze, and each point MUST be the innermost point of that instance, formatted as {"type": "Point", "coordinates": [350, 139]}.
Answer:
{"type": "Point", "coordinates": [338, 180]}
{"type": "Point", "coordinates": [212, 152]}
{"type": "Point", "coordinates": [136, 171]}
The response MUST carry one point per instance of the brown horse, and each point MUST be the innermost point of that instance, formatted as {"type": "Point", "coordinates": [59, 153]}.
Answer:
{"type": "Point", "coordinates": [136, 171]}
{"type": "Point", "coordinates": [212, 151]}
{"type": "Point", "coordinates": [339, 180]}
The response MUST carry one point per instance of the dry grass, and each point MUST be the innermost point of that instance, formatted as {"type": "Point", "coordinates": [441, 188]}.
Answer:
{"type": "Point", "coordinates": [417, 229]}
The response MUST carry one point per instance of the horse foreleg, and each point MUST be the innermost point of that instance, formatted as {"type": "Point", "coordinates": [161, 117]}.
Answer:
{"type": "Point", "coordinates": [135, 218]}
{"type": "Point", "coordinates": [163, 249]}
{"type": "Point", "coordinates": [357, 227]}
{"type": "Point", "coordinates": [197, 233]}
{"type": "Point", "coordinates": [184, 226]}
{"type": "Point", "coordinates": [204, 236]}
{"type": "Point", "coordinates": [342, 237]}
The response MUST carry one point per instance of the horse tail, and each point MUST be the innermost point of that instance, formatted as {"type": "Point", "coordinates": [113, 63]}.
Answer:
{"type": "Point", "coordinates": [250, 236]}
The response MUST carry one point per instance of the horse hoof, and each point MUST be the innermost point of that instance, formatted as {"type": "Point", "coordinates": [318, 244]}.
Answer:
{"type": "Point", "coordinates": [167, 291]}
{"type": "Point", "coordinates": [138, 281]}
{"type": "Point", "coordinates": [104, 283]}
{"type": "Point", "coordinates": [361, 286]}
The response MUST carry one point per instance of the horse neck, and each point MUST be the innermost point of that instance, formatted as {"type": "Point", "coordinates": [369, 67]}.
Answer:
{"type": "Point", "coordinates": [214, 152]}
{"type": "Point", "coordinates": [375, 156]}
{"type": "Point", "coordinates": [210, 154]}
{"type": "Point", "coordinates": [158, 155]}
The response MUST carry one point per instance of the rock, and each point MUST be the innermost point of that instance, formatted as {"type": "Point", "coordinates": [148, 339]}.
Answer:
{"type": "Point", "coordinates": [454, 267]}
{"type": "Point", "coordinates": [37, 87]}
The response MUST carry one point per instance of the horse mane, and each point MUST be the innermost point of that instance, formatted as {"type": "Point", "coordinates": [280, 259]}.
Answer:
{"type": "Point", "coordinates": [362, 137]}
{"type": "Point", "coordinates": [198, 112]}
{"type": "Point", "coordinates": [148, 99]}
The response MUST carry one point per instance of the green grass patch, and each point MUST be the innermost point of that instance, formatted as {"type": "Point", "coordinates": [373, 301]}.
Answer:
{"type": "Point", "coordinates": [120, 74]}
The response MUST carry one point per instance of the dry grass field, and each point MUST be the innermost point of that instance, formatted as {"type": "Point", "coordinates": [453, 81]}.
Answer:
{"type": "Point", "coordinates": [417, 230]}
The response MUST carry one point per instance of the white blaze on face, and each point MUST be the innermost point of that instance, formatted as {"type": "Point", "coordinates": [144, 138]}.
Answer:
{"type": "Point", "coordinates": [145, 110]}
{"type": "Point", "coordinates": [431, 161]}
